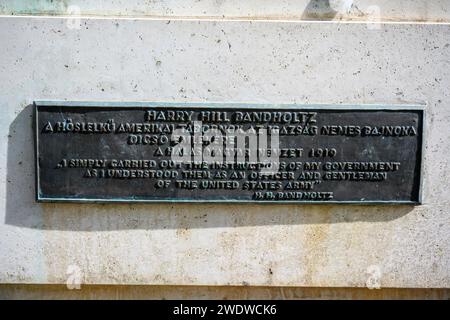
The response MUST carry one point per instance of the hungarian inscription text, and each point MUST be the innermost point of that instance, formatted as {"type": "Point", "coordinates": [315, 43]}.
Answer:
{"type": "Point", "coordinates": [228, 153]}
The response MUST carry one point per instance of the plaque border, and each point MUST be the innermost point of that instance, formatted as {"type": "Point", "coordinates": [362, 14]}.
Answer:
{"type": "Point", "coordinates": [231, 105]}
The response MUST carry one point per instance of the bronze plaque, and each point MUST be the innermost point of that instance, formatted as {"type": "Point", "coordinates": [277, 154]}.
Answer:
{"type": "Point", "coordinates": [130, 152]}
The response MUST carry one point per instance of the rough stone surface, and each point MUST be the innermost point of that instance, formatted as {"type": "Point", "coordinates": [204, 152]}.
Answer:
{"type": "Point", "coordinates": [228, 61]}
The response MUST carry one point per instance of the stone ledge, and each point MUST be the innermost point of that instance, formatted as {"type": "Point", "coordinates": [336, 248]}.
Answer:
{"type": "Point", "coordinates": [378, 10]}
{"type": "Point", "coordinates": [228, 293]}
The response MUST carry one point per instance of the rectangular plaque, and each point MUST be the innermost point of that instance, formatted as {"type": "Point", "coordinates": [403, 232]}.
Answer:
{"type": "Point", "coordinates": [124, 152]}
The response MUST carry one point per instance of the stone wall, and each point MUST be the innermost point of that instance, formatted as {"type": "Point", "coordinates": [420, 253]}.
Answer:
{"type": "Point", "coordinates": [227, 51]}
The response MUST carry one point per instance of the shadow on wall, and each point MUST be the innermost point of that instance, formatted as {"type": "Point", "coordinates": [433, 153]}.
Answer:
{"type": "Point", "coordinates": [319, 10]}
{"type": "Point", "coordinates": [22, 210]}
